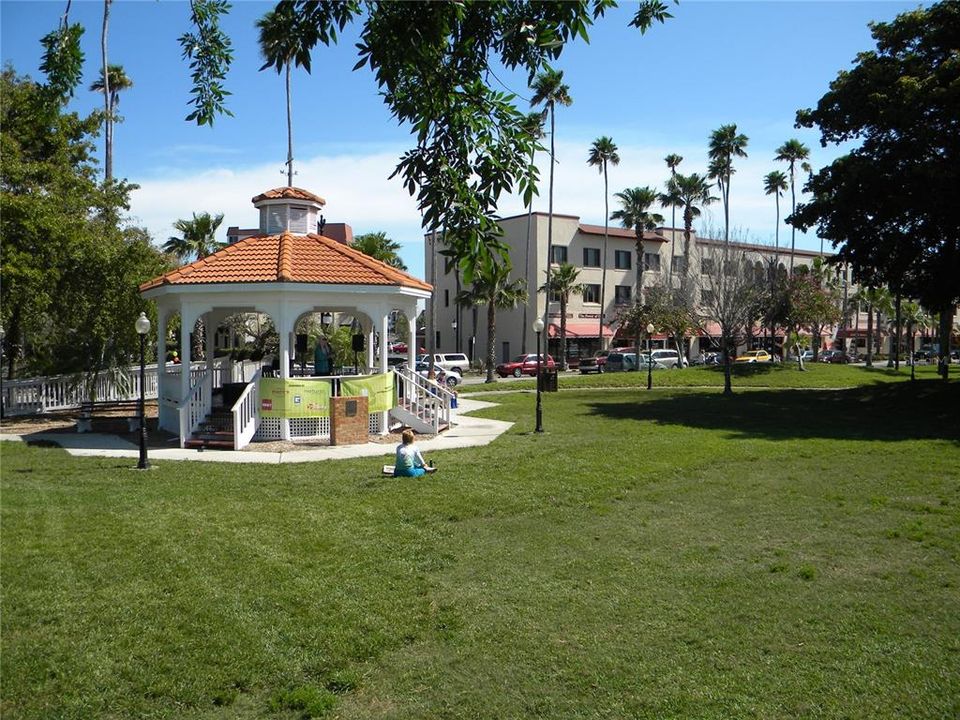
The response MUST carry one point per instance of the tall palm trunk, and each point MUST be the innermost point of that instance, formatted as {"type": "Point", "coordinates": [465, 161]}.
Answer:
{"type": "Point", "coordinates": [793, 206]}
{"type": "Point", "coordinates": [526, 269]}
{"type": "Point", "coordinates": [725, 191]}
{"type": "Point", "coordinates": [563, 331]}
{"type": "Point", "coordinates": [107, 109]}
{"type": "Point", "coordinates": [546, 304]}
{"type": "Point", "coordinates": [289, 131]}
{"type": "Point", "coordinates": [603, 262]}
{"type": "Point", "coordinates": [899, 320]}
{"type": "Point", "coordinates": [491, 339]}
{"type": "Point", "coordinates": [869, 335]}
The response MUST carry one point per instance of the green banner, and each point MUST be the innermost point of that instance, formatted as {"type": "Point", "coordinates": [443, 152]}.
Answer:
{"type": "Point", "coordinates": [298, 398]}
{"type": "Point", "coordinates": [378, 389]}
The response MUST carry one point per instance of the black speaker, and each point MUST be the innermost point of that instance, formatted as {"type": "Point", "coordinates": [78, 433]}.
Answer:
{"type": "Point", "coordinates": [301, 343]}
{"type": "Point", "coordinates": [357, 343]}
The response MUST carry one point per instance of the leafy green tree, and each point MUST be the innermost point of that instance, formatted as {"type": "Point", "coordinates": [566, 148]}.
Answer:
{"type": "Point", "coordinates": [70, 275]}
{"type": "Point", "coordinates": [470, 144]}
{"type": "Point", "coordinates": [792, 152]}
{"type": "Point", "coordinates": [283, 44]}
{"type": "Point", "coordinates": [111, 85]}
{"type": "Point", "coordinates": [197, 239]}
{"type": "Point", "coordinates": [603, 152]}
{"type": "Point", "coordinates": [725, 145]}
{"type": "Point", "coordinates": [563, 283]}
{"type": "Point", "coordinates": [889, 203]}
{"type": "Point", "coordinates": [62, 60]}
{"type": "Point", "coordinates": [494, 289]}
{"type": "Point", "coordinates": [378, 246]}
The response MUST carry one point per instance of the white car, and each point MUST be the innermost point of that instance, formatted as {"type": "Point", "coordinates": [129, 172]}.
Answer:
{"type": "Point", "coordinates": [668, 358]}
{"type": "Point", "coordinates": [458, 362]}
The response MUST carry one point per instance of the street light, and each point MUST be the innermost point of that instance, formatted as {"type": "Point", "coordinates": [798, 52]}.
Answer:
{"type": "Point", "coordinates": [143, 327]}
{"type": "Point", "coordinates": [456, 340]}
{"type": "Point", "coordinates": [538, 328]}
{"type": "Point", "coordinates": [649, 357]}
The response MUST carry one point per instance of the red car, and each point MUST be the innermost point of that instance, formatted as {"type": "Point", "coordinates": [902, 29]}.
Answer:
{"type": "Point", "coordinates": [524, 365]}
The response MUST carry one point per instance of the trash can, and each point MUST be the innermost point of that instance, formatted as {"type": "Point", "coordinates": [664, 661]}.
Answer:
{"type": "Point", "coordinates": [548, 380]}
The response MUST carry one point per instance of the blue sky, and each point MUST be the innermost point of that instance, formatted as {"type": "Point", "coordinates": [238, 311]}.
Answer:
{"type": "Point", "coordinates": [750, 63]}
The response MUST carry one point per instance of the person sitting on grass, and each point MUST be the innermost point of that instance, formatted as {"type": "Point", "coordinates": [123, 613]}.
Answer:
{"type": "Point", "coordinates": [409, 462]}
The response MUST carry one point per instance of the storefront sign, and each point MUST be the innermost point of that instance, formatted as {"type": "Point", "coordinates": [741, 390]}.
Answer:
{"type": "Point", "coordinates": [589, 316]}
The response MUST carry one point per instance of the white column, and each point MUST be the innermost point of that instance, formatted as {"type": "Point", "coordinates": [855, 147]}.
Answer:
{"type": "Point", "coordinates": [163, 389]}
{"type": "Point", "coordinates": [209, 327]}
{"type": "Point", "coordinates": [412, 342]}
{"type": "Point", "coordinates": [371, 337]}
{"type": "Point", "coordinates": [384, 323]}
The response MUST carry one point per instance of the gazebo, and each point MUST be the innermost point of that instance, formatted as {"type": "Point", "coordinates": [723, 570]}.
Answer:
{"type": "Point", "coordinates": [286, 271]}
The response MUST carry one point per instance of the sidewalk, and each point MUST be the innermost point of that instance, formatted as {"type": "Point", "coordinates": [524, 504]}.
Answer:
{"type": "Point", "coordinates": [467, 432]}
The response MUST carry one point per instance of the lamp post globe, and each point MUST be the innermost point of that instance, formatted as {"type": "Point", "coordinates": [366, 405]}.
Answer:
{"type": "Point", "coordinates": [538, 328]}
{"type": "Point", "coordinates": [142, 326]}
{"type": "Point", "coordinates": [650, 330]}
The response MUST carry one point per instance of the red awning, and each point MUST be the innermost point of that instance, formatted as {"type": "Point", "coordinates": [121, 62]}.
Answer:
{"type": "Point", "coordinates": [581, 329]}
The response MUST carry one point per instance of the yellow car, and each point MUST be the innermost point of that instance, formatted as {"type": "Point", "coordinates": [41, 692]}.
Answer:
{"type": "Point", "coordinates": [755, 356]}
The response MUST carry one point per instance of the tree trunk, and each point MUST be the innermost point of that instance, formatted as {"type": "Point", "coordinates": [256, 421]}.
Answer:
{"type": "Point", "coordinates": [526, 272]}
{"type": "Point", "coordinates": [727, 381]}
{"type": "Point", "coordinates": [896, 356]}
{"type": "Point", "coordinates": [563, 332]}
{"type": "Point", "coordinates": [793, 205]}
{"type": "Point", "coordinates": [603, 261]}
{"type": "Point", "coordinates": [491, 339]}
{"type": "Point", "coordinates": [289, 131]}
{"type": "Point", "coordinates": [869, 335]}
{"type": "Point", "coordinates": [108, 115]}
{"type": "Point", "coordinates": [546, 304]}
{"type": "Point", "coordinates": [946, 323]}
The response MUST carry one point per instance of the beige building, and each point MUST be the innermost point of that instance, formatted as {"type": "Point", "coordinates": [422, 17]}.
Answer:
{"type": "Point", "coordinates": [582, 245]}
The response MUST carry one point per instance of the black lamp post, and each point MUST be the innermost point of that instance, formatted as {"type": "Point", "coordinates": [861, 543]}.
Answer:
{"type": "Point", "coordinates": [143, 327]}
{"type": "Point", "coordinates": [649, 357]}
{"type": "Point", "coordinates": [538, 328]}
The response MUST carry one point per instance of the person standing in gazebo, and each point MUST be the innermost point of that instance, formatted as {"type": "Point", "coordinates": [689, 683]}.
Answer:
{"type": "Point", "coordinates": [322, 356]}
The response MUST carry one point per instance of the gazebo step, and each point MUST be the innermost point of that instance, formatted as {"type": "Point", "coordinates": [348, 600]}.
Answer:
{"type": "Point", "coordinates": [204, 443]}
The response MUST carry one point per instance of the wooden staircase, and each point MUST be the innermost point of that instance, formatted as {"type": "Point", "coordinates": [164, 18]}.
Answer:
{"type": "Point", "coordinates": [214, 433]}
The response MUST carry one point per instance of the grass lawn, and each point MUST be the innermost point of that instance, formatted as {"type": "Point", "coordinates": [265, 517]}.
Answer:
{"type": "Point", "coordinates": [678, 554]}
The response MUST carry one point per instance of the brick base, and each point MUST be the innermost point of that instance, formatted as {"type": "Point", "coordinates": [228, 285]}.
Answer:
{"type": "Point", "coordinates": [349, 421]}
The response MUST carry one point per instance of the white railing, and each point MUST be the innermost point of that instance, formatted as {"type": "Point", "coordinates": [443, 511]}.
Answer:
{"type": "Point", "coordinates": [195, 407]}
{"type": "Point", "coordinates": [246, 414]}
{"type": "Point", "coordinates": [428, 400]}
{"type": "Point", "coordinates": [66, 392]}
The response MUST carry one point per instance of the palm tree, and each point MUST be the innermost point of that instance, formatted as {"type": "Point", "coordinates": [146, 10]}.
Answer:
{"type": "Point", "coordinates": [284, 43]}
{"type": "Point", "coordinates": [673, 162]}
{"type": "Point", "coordinates": [563, 283]}
{"type": "Point", "coordinates": [493, 288]}
{"type": "Point", "coordinates": [692, 193]}
{"type": "Point", "coordinates": [603, 152]}
{"type": "Point", "coordinates": [111, 85]}
{"type": "Point", "coordinates": [197, 237]}
{"type": "Point", "coordinates": [549, 90]}
{"type": "Point", "coordinates": [775, 183]}
{"type": "Point", "coordinates": [725, 145]}
{"type": "Point", "coordinates": [634, 213]}
{"type": "Point", "coordinates": [793, 151]}
{"type": "Point", "coordinates": [378, 246]}
{"type": "Point", "coordinates": [533, 126]}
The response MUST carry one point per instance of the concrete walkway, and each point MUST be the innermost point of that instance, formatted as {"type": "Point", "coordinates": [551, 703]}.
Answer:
{"type": "Point", "coordinates": [467, 432]}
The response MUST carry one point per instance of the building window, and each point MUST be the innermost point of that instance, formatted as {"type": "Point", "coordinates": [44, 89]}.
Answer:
{"type": "Point", "coordinates": [621, 295]}
{"type": "Point", "coordinates": [651, 262]}
{"type": "Point", "coordinates": [591, 257]}
{"type": "Point", "coordinates": [706, 297]}
{"type": "Point", "coordinates": [621, 259]}
{"type": "Point", "coordinates": [446, 297]}
{"type": "Point", "coordinates": [706, 266]}
{"type": "Point", "coordinates": [730, 268]}
{"type": "Point", "coordinates": [559, 254]}
{"type": "Point", "coordinates": [591, 293]}
{"type": "Point", "coordinates": [298, 220]}
{"type": "Point", "coordinates": [679, 266]}
{"type": "Point", "coordinates": [555, 296]}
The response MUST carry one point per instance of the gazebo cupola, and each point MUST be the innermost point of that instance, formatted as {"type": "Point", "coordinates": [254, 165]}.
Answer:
{"type": "Point", "coordinates": [289, 209]}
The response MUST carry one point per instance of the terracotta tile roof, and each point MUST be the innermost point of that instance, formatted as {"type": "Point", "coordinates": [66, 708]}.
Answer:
{"type": "Point", "coordinates": [620, 232]}
{"type": "Point", "coordinates": [292, 193]}
{"type": "Point", "coordinates": [287, 258]}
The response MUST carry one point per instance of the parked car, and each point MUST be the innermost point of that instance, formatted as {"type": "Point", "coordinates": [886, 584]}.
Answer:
{"type": "Point", "coordinates": [755, 356]}
{"type": "Point", "coordinates": [708, 358]}
{"type": "Point", "coordinates": [924, 356]}
{"type": "Point", "coordinates": [594, 364]}
{"type": "Point", "coordinates": [668, 358]}
{"type": "Point", "coordinates": [834, 356]}
{"type": "Point", "coordinates": [806, 356]}
{"type": "Point", "coordinates": [525, 365]}
{"type": "Point", "coordinates": [450, 378]}
{"type": "Point", "coordinates": [618, 361]}
{"type": "Point", "coordinates": [448, 361]}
